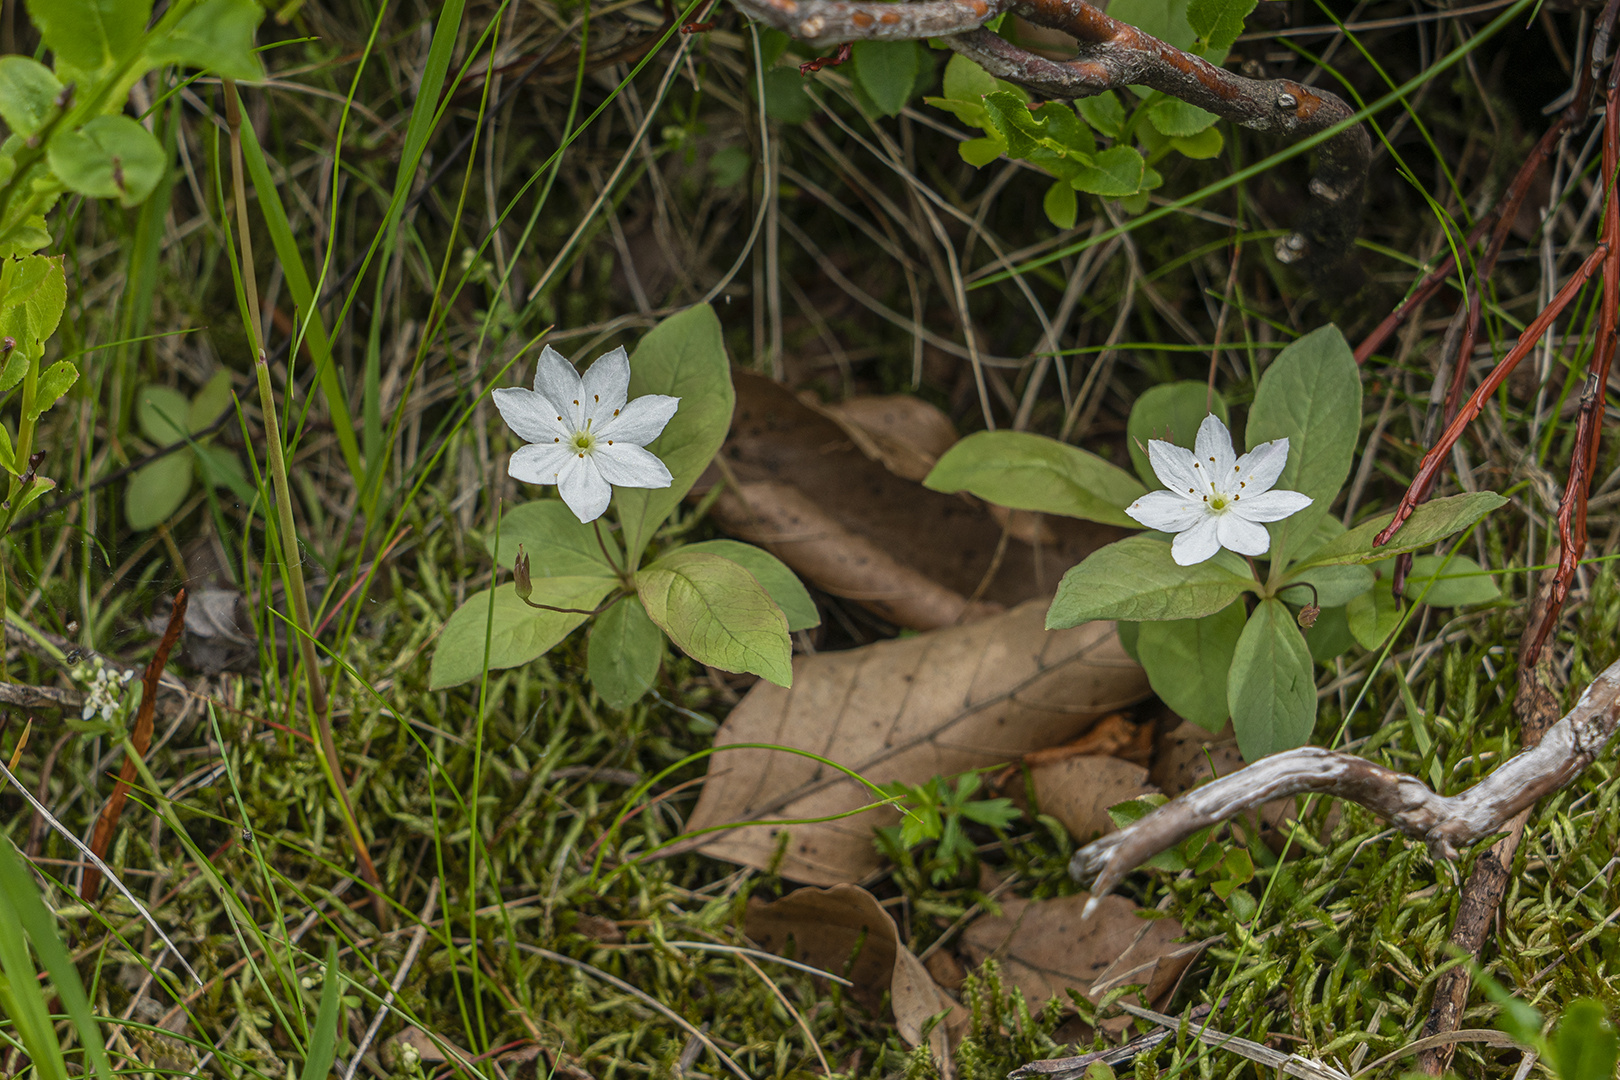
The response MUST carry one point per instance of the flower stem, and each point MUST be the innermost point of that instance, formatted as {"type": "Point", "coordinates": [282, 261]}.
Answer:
{"type": "Point", "coordinates": [325, 746]}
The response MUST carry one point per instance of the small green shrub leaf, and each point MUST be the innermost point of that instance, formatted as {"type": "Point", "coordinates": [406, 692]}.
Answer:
{"type": "Point", "coordinates": [1202, 146]}
{"type": "Point", "coordinates": [1457, 583]}
{"type": "Point", "coordinates": [1171, 412]}
{"type": "Point", "coordinates": [684, 356]}
{"type": "Point", "coordinates": [718, 613]}
{"type": "Point", "coordinates": [557, 543]}
{"type": "Point", "coordinates": [28, 93]}
{"type": "Point", "coordinates": [886, 71]}
{"type": "Point", "coordinates": [1060, 205]}
{"type": "Point", "coordinates": [1177, 119]}
{"type": "Point", "coordinates": [1271, 690]}
{"type": "Point", "coordinates": [783, 584]}
{"type": "Point", "coordinates": [965, 80]}
{"type": "Point", "coordinates": [1136, 579]}
{"type": "Point", "coordinates": [111, 157]}
{"type": "Point", "coordinates": [624, 654]}
{"type": "Point", "coordinates": [1218, 22]}
{"type": "Point", "coordinates": [1187, 661]}
{"type": "Point", "coordinates": [157, 489]}
{"type": "Point", "coordinates": [1115, 173]}
{"type": "Point", "coordinates": [517, 632]}
{"type": "Point", "coordinates": [54, 381]}
{"type": "Point", "coordinates": [1311, 395]}
{"type": "Point", "coordinates": [1103, 112]}
{"type": "Point", "coordinates": [1430, 523]}
{"type": "Point", "coordinates": [1022, 471]}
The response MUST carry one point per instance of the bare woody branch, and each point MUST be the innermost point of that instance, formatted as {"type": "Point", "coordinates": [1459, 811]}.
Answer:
{"type": "Point", "coordinates": [1113, 55]}
{"type": "Point", "coordinates": [1445, 823]}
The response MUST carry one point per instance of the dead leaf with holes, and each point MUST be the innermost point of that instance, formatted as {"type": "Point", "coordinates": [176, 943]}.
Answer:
{"type": "Point", "coordinates": [833, 492]}
{"type": "Point", "coordinates": [936, 704]}
{"type": "Point", "coordinates": [829, 927]}
{"type": "Point", "coordinates": [1045, 948]}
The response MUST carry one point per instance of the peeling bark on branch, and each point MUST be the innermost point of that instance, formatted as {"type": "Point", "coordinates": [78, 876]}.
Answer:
{"type": "Point", "coordinates": [1445, 823]}
{"type": "Point", "coordinates": [1113, 55]}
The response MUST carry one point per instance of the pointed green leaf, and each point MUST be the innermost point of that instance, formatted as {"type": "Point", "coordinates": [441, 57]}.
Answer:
{"type": "Point", "coordinates": [323, 1037]}
{"type": "Point", "coordinates": [685, 356]}
{"type": "Point", "coordinates": [624, 654]}
{"type": "Point", "coordinates": [1187, 662]}
{"type": "Point", "coordinates": [28, 93]}
{"type": "Point", "coordinates": [111, 157]}
{"type": "Point", "coordinates": [557, 543]}
{"type": "Point", "coordinates": [54, 381]}
{"type": "Point", "coordinates": [1136, 579]}
{"type": "Point", "coordinates": [518, 632]}
{"type": "Point", "coordinates": [886, 71]}
{"type": "Point", "coordinates": [1171, 412]}
{"type": "Point", "coordinates": [1271, 690]}
{"type": "Point", "coordinates": [783, 584]}
{"type": "Point", "coordinates": [1429, 524]}
{"type": "Point", "coordinates": [1310, 395]}
{"type": "Point", "coordinates": [1104, 112]}
{"type": "Point", "coordinates": [1022, 471]}
{"type": "Point", "coordinates": [156, 490]}
{"type": "Point", "coordinates": [718, 613]}
{"type": "Point", "coordinates": [215, 36]}
{"type": "Point", "coordinates": [1456, 583]}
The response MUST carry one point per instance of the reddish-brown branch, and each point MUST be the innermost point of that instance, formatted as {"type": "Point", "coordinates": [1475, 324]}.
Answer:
{"type": "Point", "coordinates": [140, 739]}
{"type": "Point", "coordinates": [1113, 55]}
{"type": "Point", "coordinates": [1476, 402]}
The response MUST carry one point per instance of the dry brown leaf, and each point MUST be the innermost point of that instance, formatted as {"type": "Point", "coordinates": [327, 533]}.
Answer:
{"type": "Point", "coordinates": [936, 549]}
{"type": "Point", "coordinates": [828, 925]}
{"type": "Point", "coordinates": [1115, 736]}
{"type": "Point", "coordinates": [905, 433]}
{"type": "Point", "coordinates": [1045, 948]}
{"type": "Point", "coordinates": [1079, 790]}
{"type": "Point", "coordinates": [939, 703]}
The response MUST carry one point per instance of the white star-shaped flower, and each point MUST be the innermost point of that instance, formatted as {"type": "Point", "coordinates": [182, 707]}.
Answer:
{"type": "Point", "coordinates": [1215, 498]}
{"type": "Point", "coordinates": [583, 435]}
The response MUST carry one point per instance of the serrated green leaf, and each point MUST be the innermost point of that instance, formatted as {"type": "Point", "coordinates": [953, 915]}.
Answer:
{"type": "Point", "coordinates": [969, 112]}
{"type": "Point", "coordinates": [1430, 523]}
{"type": "Point", "coordinates": [216, 36]}
{"type": "Point", "coordinates": [1271, 690]}
{"type": "Point", "coordinates": [1115, 173]}
{"type": "Point", "coordinates": [1103, 112]}
{"type": "Point", "coordinates": [1187, 661]}
{"type": "Point", "coordinates": [1310, 395]}
{"type": "Point", "coordinates": [1373, 616]}
{"type": "Point", "coordinates": [685, 356]}
{"type": "Point", "coordinates": [91, 35]}
{"type": "Point", "coordinates": [1136, 579]}
{"type": "Point", "coordinates": [557, 543]}
{"type": "Point", "coordinates": [1170, 412]}
{"type": "Point", "coordinates": [28, 94]}
{"type": "Point", "coordinates": [718, 614]}
{"type": "Point", "coordinates": [981, 152]}
{"type": "Point", "coordinates": [965, 80]}
{"type": "Point", "coordinates": [624, 654]}
{"type": "Point", "coordinates": [518, 632]}
{"type": "Point", "coordinates": [1218, 22]}
{"type": "Point", "coordinates": [160, 412]}
{"type": "Point", "coordinates": [886, 71]}
{"type": "Point", "coordinates": [1174, 118]}
{"type": "Point", "coordinates": [156, 490]}
{"type": "Point", "coordinates": [1202, 146]}
{"type": "Point", "coordinates": [54, 381]}
{"type": "Point", "coordinates": [1022, 471]}
{"type": "Point", "coordinates": [1456, 583]}
{"type": "Point", "coordinates": [34, 295]}
{"type": "Point", "coordinates": [1060, 205]}
{"type": "Point", "coordinates": [783, 584]}
{"type": "Point", "coordinates": [210, 403]}
{"type": "Point", "coordinates": [111, 157]}
{"type": "Point", "coordinates": [1051, 136]}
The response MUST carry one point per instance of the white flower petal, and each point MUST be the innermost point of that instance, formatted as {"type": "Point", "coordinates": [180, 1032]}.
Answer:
{"type": "Point", "coordinates": [1240, 535]}
{"type": "Point", "coordinates": [628, 465]}
{"type": "Point", "coordinates": [1269, 505]}
{"type": "Point", "coordinates": [1168, 511]}
{"type": "Point", "coordinates": [603, 389]}
{"type": "Point", "coordinates": [640, 421]}
{"type": "Point", "coordinates": [556, 378]}
{"type": "Point", "coordinates": [1196, 544]}
{"type": "Point", "coordinates": [540, 463]}
{"type": "Point", "coordinates": [1214, 448]}
{"type": "Point", "coordinates": [529, 414]}
{"type": "Point", "coordinates": [1257, 470]}
{"type": "Point", "coordinates": [1175, 468]}
{"type": "Point", "coordinates": [583, 489]}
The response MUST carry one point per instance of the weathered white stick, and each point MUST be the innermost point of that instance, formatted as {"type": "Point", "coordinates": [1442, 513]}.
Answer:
{"type": "Point", "coordinates": [1443, 822]}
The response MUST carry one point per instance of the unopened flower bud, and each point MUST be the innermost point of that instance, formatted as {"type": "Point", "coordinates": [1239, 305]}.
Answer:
{"type": "Point", "coordinates": [1308, 614]}
{"type": "Point", "coordinates": [520, 575]}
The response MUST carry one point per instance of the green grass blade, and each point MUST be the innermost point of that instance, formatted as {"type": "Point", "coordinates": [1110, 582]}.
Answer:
{"type": "Point", "coordinates": [323, 1039]}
